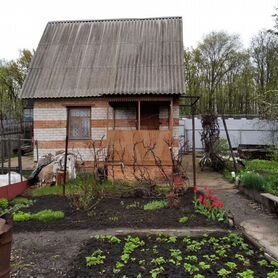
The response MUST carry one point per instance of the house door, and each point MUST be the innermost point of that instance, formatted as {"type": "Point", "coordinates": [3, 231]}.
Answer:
{"type": "Point", "coordinates": [149, 116]}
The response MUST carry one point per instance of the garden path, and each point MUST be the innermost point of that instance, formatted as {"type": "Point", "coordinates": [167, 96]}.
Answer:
{"type": "Point", "coordinates": [258, 224]}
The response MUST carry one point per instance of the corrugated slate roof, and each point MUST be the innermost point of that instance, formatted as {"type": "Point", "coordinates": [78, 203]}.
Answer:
{"type": "Point", "coordinates": [107, 57]}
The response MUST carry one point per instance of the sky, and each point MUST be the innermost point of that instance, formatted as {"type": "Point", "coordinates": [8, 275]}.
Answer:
{"type": "Point", "coordinates": [22, 22]}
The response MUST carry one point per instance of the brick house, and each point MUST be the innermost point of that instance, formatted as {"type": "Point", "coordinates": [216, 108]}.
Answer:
{"type": "Point", "coordinates": [113, 87]}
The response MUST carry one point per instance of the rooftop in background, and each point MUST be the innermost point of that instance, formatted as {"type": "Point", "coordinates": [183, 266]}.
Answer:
{"type": "Point", "coordinates": [107, 57]}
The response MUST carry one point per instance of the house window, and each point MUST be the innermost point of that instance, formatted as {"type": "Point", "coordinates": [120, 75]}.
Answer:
{"type": "Point", "coordinates": [80, 123]}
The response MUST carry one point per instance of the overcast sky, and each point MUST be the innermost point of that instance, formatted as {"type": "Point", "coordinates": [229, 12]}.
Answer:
{"type": "Point", "coordinates": [22, 21]}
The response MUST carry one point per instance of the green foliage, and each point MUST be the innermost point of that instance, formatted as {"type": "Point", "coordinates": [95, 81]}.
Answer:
{"type": "Point", "coordinates": [158, 261]}
{"type": "Point", "coordinates": [191, 269]}
{"type": "Point", "coordinates": [232, 266]}
{"type": "Point", "coordinates": [134, 205]}
{"type": "Point", "coordinates": [21, 200]}
{"type": "Point", "coordinates": [206, 204]}
{"type": "Point", "coordinates": [253, 181]}
{"type": "Point", "coordinates": [156, 271]}
{"type": "Point", "coordinates": [183, 220]}
{"type": "Point", "coordinates": [96, 258]}
{"type": "Point", "coordinates": [55, 190]}
{"type": "Point", "coordinates": [4, 203]}
{"type": "Point", "coordinates": [224, 272]}
{"type": "Point", "coordinates": [44, 215]}
{"type": "Point", "coordinates": [111, 239]}
{"type": "Point", "coordinates": [114, 218]}
{"type": "Point", "coordinates": [12, 75]}
{"type": "Point", "coordinates": [273, 274]}
{"type": "Point", "coordinates": [154, 205]}
{"type": "Point", "coordinates": [260, 183]}
{"type": "Point", "coordinates": [266, 166]}
{"type": "Point", "coordinates": [246, 274]}
{"type": "Point", "coordinates": [22, 216]}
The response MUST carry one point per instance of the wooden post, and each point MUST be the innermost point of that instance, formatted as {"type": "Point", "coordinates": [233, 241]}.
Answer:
{"type": "Point", "coordinates": [171, 115]}
{"type": "Point", "coordinates": [66, 153]}
{"type": "Point", "coordinates": [37, 150]}
{"type": "Point", "coordinates": [193, 145]}
{"type": "Point", "coordinates": [2, 155]}
{"type": "Point", "coordinates": [139, 115]}
{"type": "Point", "coordinates": [19, 157]}
{"type": "Point", "coordinates": [9, 159]}
{"type": "Point", "coordinates": [229, 142]}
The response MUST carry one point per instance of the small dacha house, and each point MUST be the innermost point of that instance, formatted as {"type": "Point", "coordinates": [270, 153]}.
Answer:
{"type": "Point", "coordinates": [113, 87]}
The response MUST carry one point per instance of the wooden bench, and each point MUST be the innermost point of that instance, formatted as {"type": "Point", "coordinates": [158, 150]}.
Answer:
{"type": "Point", "coordinates": [272, 200]}
{"type": "Point", "coordinates": [250, 151]}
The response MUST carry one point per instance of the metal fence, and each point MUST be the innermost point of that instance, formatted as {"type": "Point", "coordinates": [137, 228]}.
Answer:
{"type": "Point", "coordinates": [241, 131]}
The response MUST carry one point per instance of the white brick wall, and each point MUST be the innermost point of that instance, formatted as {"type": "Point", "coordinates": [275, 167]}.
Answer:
{"type": "Point", "coordinates": [84, 154]}
{"type": "Point", "coordinates": [48, 114]}
{"type": "Point", "coordinates": [100, 113]}
{"type": "Point", "coordinates": [50, 134]}
{"type": "Point", "coordinates": [176, 112]}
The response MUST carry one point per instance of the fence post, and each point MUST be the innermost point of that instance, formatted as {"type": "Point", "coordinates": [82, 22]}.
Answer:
{"type": "Point", "coordinates": [9, 159]}
{"type": "Point", "coordinates": [19, 157]}
{"type": "Point", "coordinates": [2, 155]}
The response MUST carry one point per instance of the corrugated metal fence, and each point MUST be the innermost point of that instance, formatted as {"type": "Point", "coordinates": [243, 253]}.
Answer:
{"type": "Point", "coordinates": [241, 131]}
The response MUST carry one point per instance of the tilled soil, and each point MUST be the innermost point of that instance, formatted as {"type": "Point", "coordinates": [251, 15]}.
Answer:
{"type": "Point", "coordinates": [142, 262]}
{"type": "Point", "coordinates": [112, 213]}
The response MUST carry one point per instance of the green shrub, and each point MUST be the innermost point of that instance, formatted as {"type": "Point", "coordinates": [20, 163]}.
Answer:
{"type": "Point", "coordinates": [44, 215]}
{"type": "Point", "coordinates": [22, 201]}
{"type": "Point", "coordinates": [266, 166]}
{"type": "Point", "coordinates": [3, 203]}
{"type": "Point", "coordinates": [253, 181]}
{"type": "Point", "coordinates": [48, 215]}
{"type": "Point", "coordinates": [154, 205]}
{"type": "Point", "coordinates": [260, 183]}
{"type": "Point", "coordinates": [22, 216]}
{"type": "Point", "coordinates": [183, 220]}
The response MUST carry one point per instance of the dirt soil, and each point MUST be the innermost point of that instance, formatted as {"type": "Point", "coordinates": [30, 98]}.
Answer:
{"type": "Point", "coordinates": [154, 248]}
{"type": "Point", "coordinates": [111, 213]}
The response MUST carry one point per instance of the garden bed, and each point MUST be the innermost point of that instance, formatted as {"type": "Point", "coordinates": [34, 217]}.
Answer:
{"type": "Point", "coordinates": [219, 255]}
{"type": "Point", "coordinates": [112, 213]}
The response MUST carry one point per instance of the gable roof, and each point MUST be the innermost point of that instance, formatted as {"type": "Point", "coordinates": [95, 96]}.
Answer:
{"type": "Point", "coordinates": [107, 57]}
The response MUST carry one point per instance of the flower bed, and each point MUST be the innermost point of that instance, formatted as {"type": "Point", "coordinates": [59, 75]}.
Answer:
{"type": "Point", "coordinates": [116, 212]}
{"type": "Point", "coordinates": [225, 255]}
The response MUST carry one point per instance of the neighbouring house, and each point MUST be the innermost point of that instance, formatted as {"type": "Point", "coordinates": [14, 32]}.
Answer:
{"type": "Point", "coordinates": [113, 87]}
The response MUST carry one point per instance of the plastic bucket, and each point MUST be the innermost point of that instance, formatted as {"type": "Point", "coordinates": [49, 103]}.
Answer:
{"type": "Point", "coordinates": [5, 248]}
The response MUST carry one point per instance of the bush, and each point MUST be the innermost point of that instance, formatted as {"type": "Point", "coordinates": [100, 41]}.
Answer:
{"type": "Point", "coordinates": [48, 215]}
{"type": "Point", "coordinates": [183, 220]}
{"type": "Point", "coordinates": [22, 216]}
{"type": "Point", "coordinates": [44, 215]}
{"type": "Point", "coordinates": [253, 181]}
{"type": "Point", "coordinates": [154, 205]}
{"type": "Point", "coordinates": [266, 166]}
{"type": "Point", "coordinates": [260, 183]}
{"type": "Point", "coordinates": [22, 201]}
{"type": "Point", "coordinates": [4, 203]}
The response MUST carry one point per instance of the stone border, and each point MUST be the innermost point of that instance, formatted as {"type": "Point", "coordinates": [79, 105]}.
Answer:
{"type": "Point", "coordinates": [256, 196]}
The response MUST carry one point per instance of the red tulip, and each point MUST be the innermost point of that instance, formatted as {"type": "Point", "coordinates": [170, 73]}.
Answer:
{"type": "Point", "coordinates": [201, 198]}
{"type": "Point", "coordinates": [195, 189]}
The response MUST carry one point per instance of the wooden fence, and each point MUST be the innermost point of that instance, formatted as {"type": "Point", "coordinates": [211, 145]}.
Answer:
{"type": "Point", "coordinates": [139, 147]}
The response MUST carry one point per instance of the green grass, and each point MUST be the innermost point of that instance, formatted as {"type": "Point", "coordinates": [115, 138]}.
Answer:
{"type": "Point", "coordinates": [260, 183]}
{"type": "Point", "coordinates": [154, 205]}
{"type": "Point", "coordinates": [77, 186]}
{"type": "Point", "coordinates": [44, 215]}
{"type": "Point", "coordinates": [53, 190]}
{"type": "Point", "coordinates": [266, 166]}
